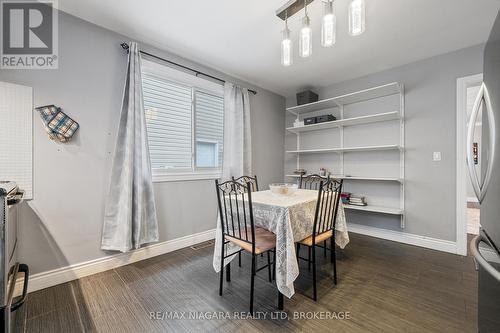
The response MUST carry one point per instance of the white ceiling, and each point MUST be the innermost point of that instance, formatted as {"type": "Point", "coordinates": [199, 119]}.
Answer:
{"type": "Point", "coordinates": [242, 38]}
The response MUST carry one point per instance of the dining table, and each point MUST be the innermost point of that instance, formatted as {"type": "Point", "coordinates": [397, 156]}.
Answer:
{"type": "Point", "coordinates": [291, 219]}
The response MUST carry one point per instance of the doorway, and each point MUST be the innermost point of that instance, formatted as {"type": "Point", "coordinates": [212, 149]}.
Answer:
{"type": "Point", "coordinates": [468, 213]}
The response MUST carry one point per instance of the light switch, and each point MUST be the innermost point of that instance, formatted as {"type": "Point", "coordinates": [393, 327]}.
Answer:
{"type": "Point", "coordinates": [436, 156]}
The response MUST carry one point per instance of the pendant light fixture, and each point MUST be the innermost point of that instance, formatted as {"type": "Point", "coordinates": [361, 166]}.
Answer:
{"type": "Point", "coordinates": [328, 25]}
{"type": "Point", "coordinates": [286, 45]}
{"type": "Point", "coordinates": [357, 17]}
{"type": "Point", "coordinates": [305, 35]}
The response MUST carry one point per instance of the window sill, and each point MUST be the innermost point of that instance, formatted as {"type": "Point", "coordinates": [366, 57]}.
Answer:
{"type": "Point", "coordinates": [185, 176]}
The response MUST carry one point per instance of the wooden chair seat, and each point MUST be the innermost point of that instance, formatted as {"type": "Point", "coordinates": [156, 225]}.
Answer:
{"type": "Point", "coordinates": [264, 240]}
{"type": "Point", "coordinates": [319, 238]}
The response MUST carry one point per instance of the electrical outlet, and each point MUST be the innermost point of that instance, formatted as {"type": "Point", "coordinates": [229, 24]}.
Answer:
{"type": "Point", "coordinates": [436, 156]}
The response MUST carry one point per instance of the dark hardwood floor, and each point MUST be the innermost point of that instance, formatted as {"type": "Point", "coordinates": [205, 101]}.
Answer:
{"type": "Point", "coordinates": [383, 287]}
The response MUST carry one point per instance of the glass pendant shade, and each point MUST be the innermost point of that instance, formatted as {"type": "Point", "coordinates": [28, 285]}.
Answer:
{"type": "Point", "coordinates": [286, 48]}
{"type": "Point", "coordinates": [328, 26]}
{"type": "Point", "coordinates": [305, 38]}
{"type": "Point", "coordinates": [356, 17]}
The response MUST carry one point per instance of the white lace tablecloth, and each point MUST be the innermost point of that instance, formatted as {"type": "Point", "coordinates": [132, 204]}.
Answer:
{"type": "Point", "coordinates": [291, 218]}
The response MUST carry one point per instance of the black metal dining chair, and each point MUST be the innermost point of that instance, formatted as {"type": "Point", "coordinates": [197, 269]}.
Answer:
{"type": "Point", "coordinates": [248, 179]}
{"type": "Point", "coordinates": [237, 226]}
{"type": "Point", "coordinates": [325, 218]}
{"type": "Point", "coordinates": [254, 186]}
{"type": "Point", "coordinates": [311, 182]}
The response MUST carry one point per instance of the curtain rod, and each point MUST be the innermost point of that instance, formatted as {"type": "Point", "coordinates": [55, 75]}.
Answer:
{"type": "Point", "coordinates": [196, 72]}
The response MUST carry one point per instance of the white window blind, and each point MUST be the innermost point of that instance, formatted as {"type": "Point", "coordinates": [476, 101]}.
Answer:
{"type": "Point", "coordinates": [16, 127]}
{"type": "Point", "coordinates": [185, 123]}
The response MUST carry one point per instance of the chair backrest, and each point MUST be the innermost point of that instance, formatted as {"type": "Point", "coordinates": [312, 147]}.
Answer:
{"type": "Point", "coordinates": [327, 206]}
{"type": "Point", "coordinates": [236, 210]}
{"type": "Point", "coordinates": [311, 182]}
{"type": "Point", "coordinates": [248, 179]}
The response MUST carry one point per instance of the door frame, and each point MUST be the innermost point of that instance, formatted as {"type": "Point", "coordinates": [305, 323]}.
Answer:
{"type": "Point", "coordinates": [461, 197]}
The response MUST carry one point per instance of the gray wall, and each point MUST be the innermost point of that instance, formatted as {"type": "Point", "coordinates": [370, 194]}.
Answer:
{"type": "Point", "coordinates": [62, 225]}
{"type": "Point", "coordinates": [430, 99]}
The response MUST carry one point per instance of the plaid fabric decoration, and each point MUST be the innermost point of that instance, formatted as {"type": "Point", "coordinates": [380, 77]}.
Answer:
{"type": "Point", "coordinates": [57, 124]}
{"type": "Point", "coordinates": [63, 125]}
{"type": "Point", "coordinates": [47, 113]}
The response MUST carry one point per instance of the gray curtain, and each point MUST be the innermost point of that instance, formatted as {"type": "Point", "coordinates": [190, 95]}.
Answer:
{"type": "Point", "coordinates": [237, 132]}
{"type": "Point", "coordinates": [130, 212]}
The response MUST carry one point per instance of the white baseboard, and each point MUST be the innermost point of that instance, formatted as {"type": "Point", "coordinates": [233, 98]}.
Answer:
{"type": "Point", "coordinates": [65, 274]}
{"type": "Point", "coordinates": [403, 237]}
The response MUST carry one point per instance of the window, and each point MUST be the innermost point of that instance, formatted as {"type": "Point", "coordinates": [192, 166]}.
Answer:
{"type": "Point", "coordinates": [209, 111]}
{"type": "Point", "coordinates": [207, 154]}
{"type": "Point", "coordinates": [185, 122]}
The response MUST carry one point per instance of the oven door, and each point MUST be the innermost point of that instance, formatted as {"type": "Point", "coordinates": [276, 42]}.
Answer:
{"type": "Point", "coordinates": [9, 247]}
{"type": "Point", "coordinates": [13, 271]}
{"type": "Point", "coordinates": [8, 314]}
{"type": "Point", "coordinates": [11, 230]}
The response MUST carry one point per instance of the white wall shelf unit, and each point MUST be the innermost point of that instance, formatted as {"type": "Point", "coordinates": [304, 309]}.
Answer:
{"type": "Point", "coordinates": [347, 122]}
{"type": "Point", "coordinates": [378, 179]}
{"type": "Point", "coordinates": [343, 106]}
{"type": "Point", "coordinates": [355, 97]}
{"type": "Point", "coordinates": [345, 149]}
{"type": "Point", "coordinates": [376, 209]}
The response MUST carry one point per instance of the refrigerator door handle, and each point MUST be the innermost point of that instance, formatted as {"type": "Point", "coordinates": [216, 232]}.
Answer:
{"type": "Point", "coordinates": [474, 249]}
{"type": "Point", "coordinates": [481, 188]}
{"type": "Point", "coordinates": [470, 137]}
{"type": "Point", "coordinates": [492, 144]}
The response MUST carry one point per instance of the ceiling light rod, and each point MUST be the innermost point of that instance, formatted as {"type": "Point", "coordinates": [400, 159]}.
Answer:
{"type": "Point", "coordinates": [291, 8]}
{"type": "Point", "coordinates": [196, 72]}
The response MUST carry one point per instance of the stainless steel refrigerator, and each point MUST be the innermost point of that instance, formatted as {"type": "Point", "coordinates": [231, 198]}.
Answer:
{"type": "Point", "coordinates": [486, 184]}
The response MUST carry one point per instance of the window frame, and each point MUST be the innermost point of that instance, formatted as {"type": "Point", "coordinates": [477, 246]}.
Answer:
{"type": "Point", "coordinates": [196, 84]}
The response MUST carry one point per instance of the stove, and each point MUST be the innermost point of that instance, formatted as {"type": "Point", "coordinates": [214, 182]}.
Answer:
{"type": "Point", "coordinates": [10, 269]}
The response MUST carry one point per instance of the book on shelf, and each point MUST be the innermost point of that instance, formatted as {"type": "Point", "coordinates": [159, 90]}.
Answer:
{"type": "Point", "coordinates": [345, 197]}
{"type": "Point", "coordinates": [357, 200]}
{"type": "Point", "coordinates": [358, 204]}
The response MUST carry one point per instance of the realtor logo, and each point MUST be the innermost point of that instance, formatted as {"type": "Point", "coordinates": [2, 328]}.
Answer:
{"type": "Point", "coordinates": [29, 34]}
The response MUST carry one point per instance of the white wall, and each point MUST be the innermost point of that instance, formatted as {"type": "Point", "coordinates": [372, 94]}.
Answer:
{"type": "Point", "coordinates": [71, 180]}
{"type": "Point", "coordinates": [430, 100]}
